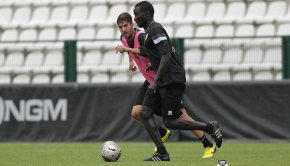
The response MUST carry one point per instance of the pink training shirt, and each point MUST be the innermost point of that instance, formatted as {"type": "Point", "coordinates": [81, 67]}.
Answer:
{"type": "Point", "coordinates": [142, 62]}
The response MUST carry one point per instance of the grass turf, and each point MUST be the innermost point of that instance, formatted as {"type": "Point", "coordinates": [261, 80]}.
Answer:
{"type": "Point", "coordinates": [181, 153]}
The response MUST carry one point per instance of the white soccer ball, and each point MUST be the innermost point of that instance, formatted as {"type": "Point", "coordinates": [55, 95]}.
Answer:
{"type": "Point", "coordinates": [110, 151]}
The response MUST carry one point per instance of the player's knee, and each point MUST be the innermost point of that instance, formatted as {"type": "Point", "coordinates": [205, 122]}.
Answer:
{"type": "Point", "coordinates": [135, 113]}
{"type": "Point", "coordinates": [169, 124]}
{"type": "Point", "coordinates": [145, 113]}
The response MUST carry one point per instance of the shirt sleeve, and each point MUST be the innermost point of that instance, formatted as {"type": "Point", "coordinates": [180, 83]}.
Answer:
{"type": "Point", "coordinates": [141, 39]}
{"type": "Point", "coordinates": [143, 51]}
{"type": "Point", "coordinates": [160, 40]}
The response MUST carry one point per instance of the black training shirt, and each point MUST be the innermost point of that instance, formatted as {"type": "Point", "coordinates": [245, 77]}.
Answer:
{"type": "Point", "coordinates": [157, 43]}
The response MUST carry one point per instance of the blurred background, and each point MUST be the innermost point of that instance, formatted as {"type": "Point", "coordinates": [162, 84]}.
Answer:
{"type": "Point", "coordinates": [221, 40]}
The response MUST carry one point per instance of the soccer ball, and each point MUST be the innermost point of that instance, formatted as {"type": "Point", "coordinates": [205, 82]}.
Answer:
{"type": "Point", "coordinates": [110, 151]}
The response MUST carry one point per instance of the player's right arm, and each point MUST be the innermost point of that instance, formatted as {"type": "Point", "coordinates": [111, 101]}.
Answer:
{"type": "Point", "coordinates": [122, 49]}
{"type": "Point", "coordinates": [132, 66]}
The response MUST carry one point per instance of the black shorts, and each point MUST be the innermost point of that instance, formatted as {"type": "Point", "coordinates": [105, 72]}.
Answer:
{"type": "Point", "coordinates": [140, 97]}
{"type": "Point", "coordinates": [170, 98]}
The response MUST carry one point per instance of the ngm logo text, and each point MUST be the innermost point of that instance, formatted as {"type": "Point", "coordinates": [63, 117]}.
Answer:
{"type": "Point", "coordinates": [33, 110]}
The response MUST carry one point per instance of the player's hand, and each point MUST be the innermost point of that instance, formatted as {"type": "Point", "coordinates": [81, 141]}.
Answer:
{"type": "Point", "coordinates": [149, 67]}
{"type": "Point", "coordinates": [120, 49]}
{"type": "Point", "coordinates": [132, 66]}
{"type": "Point", "coordinates": [152, 87]}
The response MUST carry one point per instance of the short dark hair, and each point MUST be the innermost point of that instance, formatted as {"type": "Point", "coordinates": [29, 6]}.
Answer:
{"type": "Point", "coordinates": [124, 17]}
{"type": "Point", "coordinates": [146, 6]}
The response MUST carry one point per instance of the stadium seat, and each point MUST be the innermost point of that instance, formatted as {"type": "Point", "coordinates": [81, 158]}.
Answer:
{"type": "Point", "coordinates": [120, 77]}
{"type": "Point", "coordinates": [256, 10]}
{"type": "Point", "coordinates": [222, 76]}
{"type": "Point", "coordinates": [169, 30]}
{"type": "Point", "coordinates": [118, 34]}
{"type": "Point", "coordinates": [275, 11]}
{"type": "Point", "coordinates": [235, 11]}
{"type": "Point", "coordinates": [30, 20]}
{"type": "Point", "coordinates": [14, 59]}
{"type": "Point", "coordinates": [133, 1]}
{"type": "Point", "coordinates": [111, 58]}
{"type": "Point", "coordinates": [5, 15]}
{"type": "Point", "coordinates": [40, 16]}
{"type": "Point", "coordinates": [34, 59]}
{"type": "Point", "coordinates": [242, 76]}
{"type": "Point", "coordinates": [195, 9]}
{"type": "Point", "coordinates": [201, 76]}
{"type": "Point", "coordinates": [28, 35]}
{"type": "Point", "coordinates": [125, 60]}
{"type": "Point", "coordinates": [273, 55]}
{"type": "Point", "coordinates": [47, 34]}
{"type": "Point", "coordinates": [9, 35]}
{"type": "Point", "coordinates": [58, 16]}
{"type": "Point", "coordinates": [265, 75]}
{"type": "Point", "coordinates": [92, 58]}
{"type": "Point", "coordinates": [20, 16]}
{"type": "Point", "coordinates": [40, 79]}
{"type": "Point", "coordinates": [283, 29]}
{"type": "Point", "coordinates": [233, 56]}
{"type": "Point", "coordinates": [116, 1]}
{"type": "Point", "coordinates": [86, 33]}
{"type": "Point", "coordinates": [105, 33]}
{"type": "Point", "coordinates": [67, 34]}
{"type": "Point", "coordinates": [137, 78]}
{"type": "Point", "coordinates": [131, 9]}
{"type": "Point", "coordinates": [266, 30]}
{"type": "Point", "coordinates": [98, 14]}
{"type": "Point", "coordinates": [212, 56]}
{"type": "Point", "coordinates": [54, 46]}
{"type": "Point", "coordinates": [59, 78]}
{"type": "Point", "coordinates": [83, 78]}
{"type": "Point", "coordinates": [225, 31]}
{"type": "Point", "coordinates": [53, 61]}
{"type": "Point", "coordinates": [253, 55]}
{"type": "Point", "coordinates": [159, 11]}
{"type": "Point", "coordinates": [184, 31]}
{"type": "Point", "coordinates": [285, 18]}
{"type": "Point", "coordinates": [245, 30]}
{"type": "Point", "coordinates": [175, 12]}
{"type": "Point", "coordinates": [192, 56]}
{"type": "Point", "coordinates": [53, 58]}
{"type": "Point", "coordinates": [100, 78]}
{"type": "Point", "coordinates": [78, 14]}
{"type": "Point", "coordinates": [215, 10]}
{"type": "Point", "coordinates": [4, 79]}
{"type": "Point", "coordinates": [2, 59]}
{"type": "Point", "coordinates": [114, 12]}
{"type": "Point", "coordinates": [278, 76]}
{"type": "Point", "coordinates": [21, 79]}
{"type": "Point", "coordinates": [204, 31]}
{"type": "Point", "coordinates": [273, 42]}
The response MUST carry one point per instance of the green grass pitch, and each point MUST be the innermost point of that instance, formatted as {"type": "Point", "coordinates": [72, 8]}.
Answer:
{"type": "Point", "coordinates": [181, 153]}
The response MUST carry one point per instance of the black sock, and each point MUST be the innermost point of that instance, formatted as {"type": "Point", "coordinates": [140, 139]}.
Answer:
{"type": "Point", "coordinates": [162, 131]}
{"type": "Point", "coordinates": [205, 141]}
{"type": "Point", "coordinates": [208, 128]}
{"type": "Point", "coordinates": [162, 150]}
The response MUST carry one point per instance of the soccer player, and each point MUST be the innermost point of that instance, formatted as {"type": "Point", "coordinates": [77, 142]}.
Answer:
{"type": "Point", "coordinates": [132, 40]}
{"type": "Point", "coordinates": [167, 86]}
